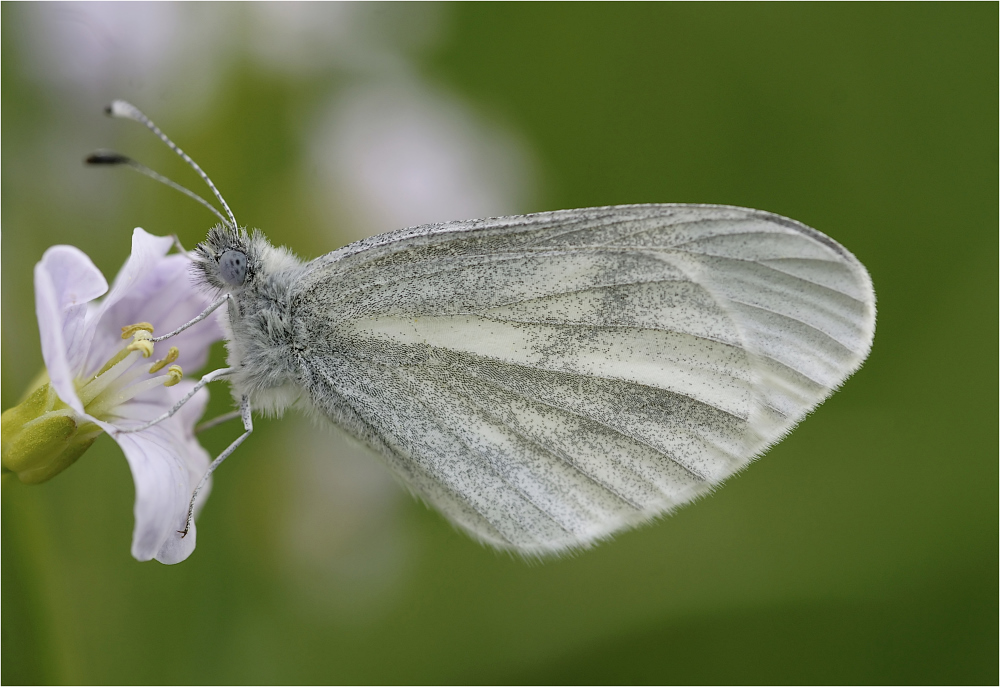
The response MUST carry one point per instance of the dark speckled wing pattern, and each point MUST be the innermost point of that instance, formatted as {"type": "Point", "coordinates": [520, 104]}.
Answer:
{"type": "Point", "coordinates": [546, 380]}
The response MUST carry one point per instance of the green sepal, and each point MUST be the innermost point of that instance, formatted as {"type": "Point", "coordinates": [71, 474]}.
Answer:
{"type": "Point", "coordinates": [41, 437]}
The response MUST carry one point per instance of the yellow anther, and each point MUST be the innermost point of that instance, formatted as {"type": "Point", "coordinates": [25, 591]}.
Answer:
{"type": "Point", "coordinates": [171, 357]}
{"type": "Point", "coordinates": [176, 374]}
{"type": "Point", "coordinates": [137, 327]}
{"type": "Point", "coordinates": [142, 341]}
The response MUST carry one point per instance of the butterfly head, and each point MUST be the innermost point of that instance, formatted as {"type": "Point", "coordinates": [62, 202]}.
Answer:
{"type": "Point", "coordinates": [228, 259]}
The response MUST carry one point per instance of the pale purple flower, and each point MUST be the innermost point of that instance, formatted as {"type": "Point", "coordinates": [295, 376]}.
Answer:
{"type": "Point", "coordinates": [80, 336]}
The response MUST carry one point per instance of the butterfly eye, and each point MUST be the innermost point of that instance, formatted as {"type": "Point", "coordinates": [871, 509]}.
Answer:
{"type": "Point", "coordinates": [233, 266]}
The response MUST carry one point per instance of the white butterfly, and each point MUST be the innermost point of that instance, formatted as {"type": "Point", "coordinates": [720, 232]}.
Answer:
{"type": "Point", "coordinates": [547, 380]}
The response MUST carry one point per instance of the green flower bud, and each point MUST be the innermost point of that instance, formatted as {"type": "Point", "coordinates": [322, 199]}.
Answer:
{"type": "Point", "coordinates": [41, 437]}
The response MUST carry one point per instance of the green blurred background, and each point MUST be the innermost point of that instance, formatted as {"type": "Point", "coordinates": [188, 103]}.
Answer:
{"type": "Point", "coordinates": [863, 548]}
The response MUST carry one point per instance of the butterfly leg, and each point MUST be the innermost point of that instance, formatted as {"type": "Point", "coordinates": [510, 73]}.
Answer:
{"type": "Point", "coordinates": [210, 377]}
{"type": "Point", "coordinates": [180, 248]}
{"type": "Point", "coordinates": [205, 313]}
{"type": "Point", "coordinates": [248, 430]}
{"type": "Point", "coordinates": [216, 421]}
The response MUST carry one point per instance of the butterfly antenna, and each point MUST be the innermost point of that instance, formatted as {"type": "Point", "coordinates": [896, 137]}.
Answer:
{"type": "Point", "coordinates": [109, 157]}
{"type": "Point", "coordinates": [124, 110]}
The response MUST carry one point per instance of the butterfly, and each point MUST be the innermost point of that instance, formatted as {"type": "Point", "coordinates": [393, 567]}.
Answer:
{"type": "Point", "coordinates": [547, 380]}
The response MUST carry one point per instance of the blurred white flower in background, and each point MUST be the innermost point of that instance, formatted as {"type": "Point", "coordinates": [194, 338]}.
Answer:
{"type": "Point", "coordinates": [160, 54]}
{"type": "Point", "coordinates": [394, 155]}
{"type": "Point", "coordinates": [169, 58]}
{"type": "Point", "coordinates": [345, 541]}
{"type": "Point", "coordinates": [304, 39]}
{"type": "Point", "coordinates": [177, 55]}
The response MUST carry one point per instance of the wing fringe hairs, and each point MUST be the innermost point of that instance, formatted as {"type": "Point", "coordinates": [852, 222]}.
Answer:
{"type": "Point", "coordinates": [548, 380]}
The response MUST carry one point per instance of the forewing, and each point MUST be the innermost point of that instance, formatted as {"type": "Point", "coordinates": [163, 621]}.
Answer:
{"type": "Point", "coordinates": [545, 380]}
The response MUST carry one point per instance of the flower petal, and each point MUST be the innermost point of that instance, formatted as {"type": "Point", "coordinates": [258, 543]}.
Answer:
{"type": "Point", "coordinates": [147, 250]}
{"type": "Point", "coordinates": [65, 281]}
{"type": "Point", "coordinates": [167, 297]}
{"type": "Point", "coordinates": [166, 462]}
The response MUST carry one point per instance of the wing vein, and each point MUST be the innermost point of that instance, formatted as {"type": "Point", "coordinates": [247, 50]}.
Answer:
{"type": "Point", "coordinates": [558, 454]}
{"type": "Point", "coordinates": [591, 287]}
{"type": "Point", "coordinates": [443, 485]}
{"type": "Point", "coordinates": [610, 327]}
{"type": "Point", "coordinates": [794, 276]}
{"type": "Point", "coordinates": [617, 430]}
{"type": "Point", "coordinates": [794, 319]}
{"type": "Point", "coordinates": [486, 462]}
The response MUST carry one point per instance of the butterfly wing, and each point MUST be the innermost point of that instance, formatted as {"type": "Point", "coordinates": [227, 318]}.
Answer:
{"type": "Point", "coordinates": [548, 379]}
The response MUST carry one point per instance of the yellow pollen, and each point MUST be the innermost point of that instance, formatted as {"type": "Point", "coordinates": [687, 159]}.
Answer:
{"type": "Point", "coordinates": [176, 374]}
{"type": "Point", "coordinates": [142, 342]}
{"type": "Point", "coordinates": [171, 357]}
{"type": "Point", "coordinates": [138, 326]}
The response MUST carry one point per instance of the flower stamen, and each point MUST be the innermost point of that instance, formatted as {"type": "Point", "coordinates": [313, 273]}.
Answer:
{"type": "Point", "coordinates": [106, 404]}
{"type": "Point", "coordinates": [142, 341]}
{"type": "Point", "coordinates": [175, 373]}
{"type": "Point", "coordinates": [131, 329]}
{"type": "Point", "coordinates": [171, 357]}
{"type": "Point", "coordinates": [116, 382]}
{"type": "Point", "coordinates": [114, 360]}
{"type": "Point", "coordinates": [109, 374]}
